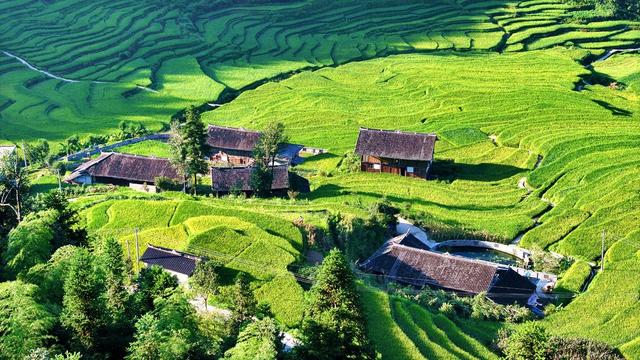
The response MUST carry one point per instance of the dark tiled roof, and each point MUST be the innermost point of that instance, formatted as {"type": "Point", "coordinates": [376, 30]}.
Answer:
{"type": "Point", "coordinates": [169, 259]}
{"type": "Point", "coordinates": [226, 179]}
{"type": "Point", "coordinates": [396, 144]}
{"type": "Point", "coordinates": [407, 239]}
{"type": "Point", "coordinates": [420, 267]}
{"type": "Point", "coordinates": [221, 137]}
{"type": "Point", "coordinates": [126, 167]}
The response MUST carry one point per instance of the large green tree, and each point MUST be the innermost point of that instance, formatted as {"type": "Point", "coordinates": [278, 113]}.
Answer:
{"type": "Point", "coordinates": [67, 228]}
{"type": "Point", "coordinates": [169, 332]}
{"type": "Point", "coordinates": [264, 154]}
{"type": "Point", "coordinates": [188, 143]}
{"type": "Point", "coordinates": [25, 322]}
{"type": "Point", "coordinates": [83, 307]}
{"type": "Point", "coordinates": [205, 279]}
{"type": "Point", "coordinates": [14, 187]}
{"type": "Point", "coordinates": [334, 327]}
{"type": "Point", "coordinates": [153, 282]}
{"type": "Point", "coordinates": [29, 243]}
{"type": "Point", "coordinates": [259, 340]}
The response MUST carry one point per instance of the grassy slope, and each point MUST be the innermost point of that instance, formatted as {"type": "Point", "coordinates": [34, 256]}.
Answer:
{"type": "Point", "coordinates": [253, 242]}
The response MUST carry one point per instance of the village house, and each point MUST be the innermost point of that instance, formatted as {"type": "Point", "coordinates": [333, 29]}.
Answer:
{"type": "Point", "coordinates": [122, 169]}
{"type": "Point", "coordinates": [234, 147]}
{"type": "Point", "coordinates": [406, 259]}
{"type": "Point", "coordinates": [402, 153]}
{"type": "Point", "coordinates": [179, 264]}
{"type": "Point", "coordinates": [227, 180]}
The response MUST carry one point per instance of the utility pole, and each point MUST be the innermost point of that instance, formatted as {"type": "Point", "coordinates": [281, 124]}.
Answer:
{"type": "Point", "coordinates": [137, 250]}
{"type": "Point", "coordinates": [604, 234]}
{"type": "Point", "coordinates": [59, 183]}
{"type": "Point", "coordinates": [24, 155]}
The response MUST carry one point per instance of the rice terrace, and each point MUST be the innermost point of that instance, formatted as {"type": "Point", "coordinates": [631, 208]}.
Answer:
{"type": "Point", "coordinates": [315, 179]}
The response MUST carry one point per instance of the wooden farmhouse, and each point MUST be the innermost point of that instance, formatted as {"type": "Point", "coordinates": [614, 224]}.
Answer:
{"type": "Point", "coordinates": [179, 264]}
{"type": "Point", "coordinates": [402, 153]}
{"type": "Point", "coordinates": [405, 259]}
{"type": "Point", "coordinates": [122, 169]}
{"type": "Point", "coordinates": [234, 147]}
{"type": "Point", "coordinates": [226, 180]}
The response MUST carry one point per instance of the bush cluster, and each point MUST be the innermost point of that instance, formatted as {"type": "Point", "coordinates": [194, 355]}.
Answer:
{"type": "Point", "coordinates": [477, 307]}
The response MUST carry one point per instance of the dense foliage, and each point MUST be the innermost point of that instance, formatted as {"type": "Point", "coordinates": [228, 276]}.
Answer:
{"type": "Point", "coordinates": [334, 326]}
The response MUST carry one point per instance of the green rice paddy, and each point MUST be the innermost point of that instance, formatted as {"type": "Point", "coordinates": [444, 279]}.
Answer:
{"type": "Point", "coordinates": [532, 141]}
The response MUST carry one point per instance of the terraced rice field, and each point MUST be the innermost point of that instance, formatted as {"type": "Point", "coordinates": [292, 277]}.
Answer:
{"type": "Point", "coordinates": [402, 330]}
{"type": "Point", "coordinates": [510, 117]}
{"type": "Point", "coordinates": [256, 243]}
{"type": "Point", "coordinates": [88, 66]}
{"type": "Point", "coordinates": [532, 141]}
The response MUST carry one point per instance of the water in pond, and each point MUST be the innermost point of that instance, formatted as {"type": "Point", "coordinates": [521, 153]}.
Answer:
{"type": "Point", "coordinates": [482, 254]}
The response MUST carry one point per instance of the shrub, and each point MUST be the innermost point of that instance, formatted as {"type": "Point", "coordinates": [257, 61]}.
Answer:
{"type": "Point", "coordinates": [528, 342]}
{"type": "Point", "coordinates": [578, 349]}
{"type": "Point", "coordinates": [167, 184]}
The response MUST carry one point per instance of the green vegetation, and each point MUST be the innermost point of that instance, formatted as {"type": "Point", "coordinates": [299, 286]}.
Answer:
{"type": "Point", "coordinates": [402, 330]}
{"type": "Point", "coordinates": [155, 148]}
{"type": "Point", "coordinates": [532, 142]}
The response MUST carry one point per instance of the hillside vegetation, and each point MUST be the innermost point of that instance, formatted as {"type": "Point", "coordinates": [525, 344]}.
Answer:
{"type": "Point", "coordinates": [535, 103]}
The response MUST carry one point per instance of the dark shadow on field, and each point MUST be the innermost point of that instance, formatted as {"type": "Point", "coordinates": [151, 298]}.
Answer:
{"type": "Point", "coordinates": [616, 111]}
{"type": "Point", "coordinates": [449, 170]}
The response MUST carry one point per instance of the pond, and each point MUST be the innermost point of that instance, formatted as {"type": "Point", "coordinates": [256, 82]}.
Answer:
{"type": "Point", "coordinates": [482, 254]}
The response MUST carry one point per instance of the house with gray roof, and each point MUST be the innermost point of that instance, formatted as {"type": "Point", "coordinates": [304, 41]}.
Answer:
{"type": "Point", "coordinates": [396, 152]}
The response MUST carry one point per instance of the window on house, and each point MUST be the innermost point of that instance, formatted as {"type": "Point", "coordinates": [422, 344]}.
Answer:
{"type": "Point", "coordinates": [376, 166]}
{"type": "Point", "coordinates": [409, 169]}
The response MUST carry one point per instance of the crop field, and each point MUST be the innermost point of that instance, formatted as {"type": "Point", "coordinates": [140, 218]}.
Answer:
{"type": "Point", "coordinates": [82, 67]}
{"type": "Point", "coordinates": [258, 244]}
{"type": "Point", "coordinates": [538, 133]}
{"type": "Point", "coordinates": [402, 330]}
{"type": "Point", "coordinates": [493, 125]}
{"type": "Point", "coordinates": [147, 148]}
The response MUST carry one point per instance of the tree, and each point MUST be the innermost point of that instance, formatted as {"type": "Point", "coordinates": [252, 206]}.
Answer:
{"type": "Point", "coordinates": [14, 185]}
{"type": "Point", "coordinates": [264, 154]}
{"type": "Point", "coordinates": [205, 279]}
{"type": "Point", "coordinates": [168, 332]}
{"type": "Point", "coordinates": [67, 228]}
{"type": "Point", "coordinates": [260, 340]}
{"type": "Point", "coordinates": [188, 143]}
{"type": "Point", "coordinates": [38, 152]}
{"type": "Point", "coordinates": [29, 243]}
{"type": "Point", "coordinates": [244, 302]}
{"type": "Point", "coordinates": [178, 157]}
{"type": "Point", "coordinates": [24, 321]}
{"type": "Point", "coordinates": [116, 296]}
{"type": "Point", "coordinates": [153, 282]}
{"type": "Point", "coordinates": [83, 310]}
{"type": "Point", "coordinates": [529, 341]}
{"type": "Point", "coordinates": [334, 327]}
{"type": "Point", "coordinates": [51, 275]}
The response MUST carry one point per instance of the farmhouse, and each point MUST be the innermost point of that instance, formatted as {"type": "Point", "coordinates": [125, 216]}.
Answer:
{"type": "Point", "coordinates": [122, 169]}
{"type": "Point", "coordinates": [396, 152]}
{"type": "Point", "coordinates": [234, 146]}
{"type": "Point", "coordinates": [226, 179]}
{"type": "Point", "coordinates": [179, 264]}
{"type": "Point", "coordinates": [407, 260]}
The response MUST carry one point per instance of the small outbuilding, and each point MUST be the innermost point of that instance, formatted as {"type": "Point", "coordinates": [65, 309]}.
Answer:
{"type": "Point", "coordinates": [179, 264]}
{"type": "Point", "coordinates": [226, 180]}
{"type": "Point", "coordinates": [396, 152]}
{"type": "Point", "coordinates": [122, 169]}
{"type": "Point", "coordinates": [407, 260]}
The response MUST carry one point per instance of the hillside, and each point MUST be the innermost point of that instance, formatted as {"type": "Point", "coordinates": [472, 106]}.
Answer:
{"type": "Point", "coordinates": [536, 106]}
